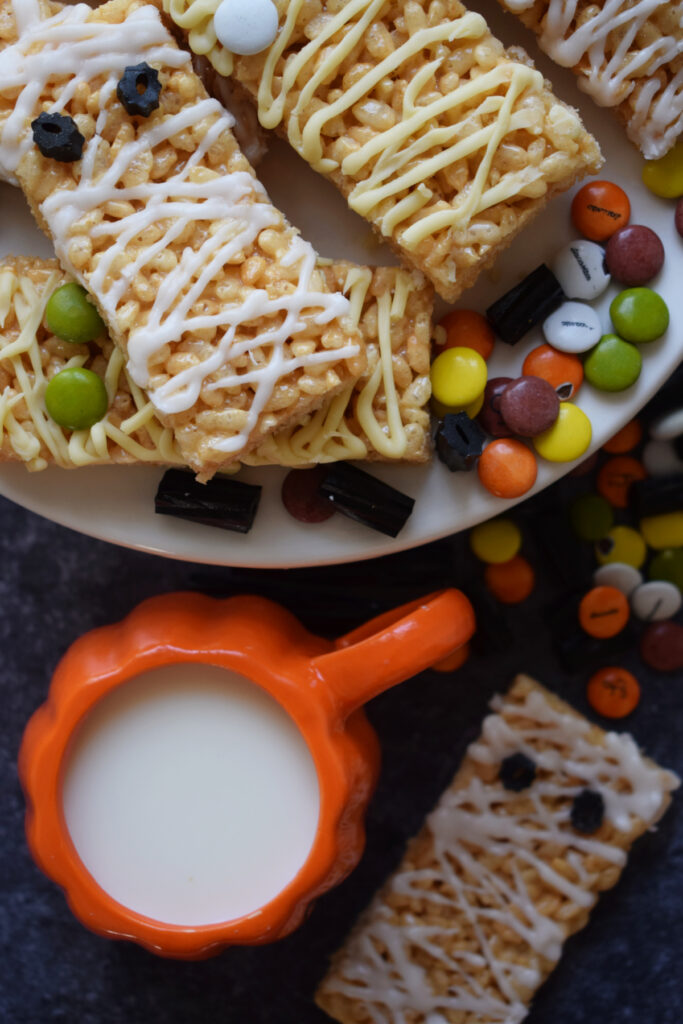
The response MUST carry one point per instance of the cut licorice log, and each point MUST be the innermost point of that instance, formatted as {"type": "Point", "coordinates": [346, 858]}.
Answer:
{"type": "Point", "coordinates": [525, 305]}
{"type": "Point", "coordinates": [367, 500]}
{"type": "Point", "coordinates": [656, 495]}
{"type": "Point", "coordinates": [459, 441]}
{"type": "Point", "coordinates": [223, 502]}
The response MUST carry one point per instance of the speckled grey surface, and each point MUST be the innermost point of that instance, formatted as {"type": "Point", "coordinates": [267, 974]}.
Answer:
{"type": "Point", "coordinates": [55, 584]}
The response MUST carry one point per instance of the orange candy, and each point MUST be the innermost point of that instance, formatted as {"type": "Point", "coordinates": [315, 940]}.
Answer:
{"type": "Point", "coordinates": [561, 369]}
{"type": "Point", "coordinates": [510, 582]}
{"type": "Point", "coordinates": [615, 478]}
{"type": "Point", "coordinates": [507, 468]}
{"type": "Point", "coordinates": [599, 209]}
{"type": "Point", "coordinates": [454, 660]}
{"type": "Point", "coordinates": [469, 329]}
{"type": "Point", "coordinates": [625, 439]}
{"type": "Point", "coordinates": [613, 692]}
{"type": "Point", "coordinates": [603, 612]}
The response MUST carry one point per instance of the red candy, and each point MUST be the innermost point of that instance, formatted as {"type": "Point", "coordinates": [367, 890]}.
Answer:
{"type": "Point", "coordinates": [529, 405]}
{"type": "Point", "coordinates": [634, 255]}
{"type": "Point", "coordinates": [490, 416]}
{"type": "Point", "coordinates": [301, 498]}
{"type": "Point", "coordinates": [661, 646]}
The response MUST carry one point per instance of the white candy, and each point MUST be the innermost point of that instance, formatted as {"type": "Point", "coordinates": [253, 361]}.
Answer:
{"type": "Point", "coordinates": [574, 327]}
{"type": "Point", "coordinates": [246, 26]}
{"type": "Point", "coordinates": [618, 574]}
{"type": "Point", "coordinates": [656, 600]}
{"type": "Point", "coordinates": [668, 426]}
{"type": "Point", "coordinates": [660, 458]}
{"type": "Point", "coordinates": [579, 267]}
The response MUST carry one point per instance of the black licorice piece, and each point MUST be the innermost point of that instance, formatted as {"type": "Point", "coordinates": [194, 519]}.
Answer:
{"type": "Point", "coordinates": [517, 772]}
{"type": "Point", "coordinates": [366, 499]}
{"type": "Point", "coordinates": [139, 90]}
{"type": "Point", "coordinates": [222, 502]}
{"type": "Point", "coordinates": [656, 495]}
{"type": "Point", "coordinates": [459, 441]}
{"type": "Point", "coordinates": [588, 811]}
{"type": "Point", "coordinates": [525, 305]}
{"type": "Point", "coordinates": [57, 137]}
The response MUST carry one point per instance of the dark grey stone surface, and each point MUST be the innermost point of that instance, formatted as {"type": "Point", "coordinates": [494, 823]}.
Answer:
{"type": "Point", "coordinates": [55, 585]}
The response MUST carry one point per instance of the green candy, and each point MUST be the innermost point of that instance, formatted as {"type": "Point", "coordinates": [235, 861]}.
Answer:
{"type": "Point", "coordinates": [591, 516]}
{"type": "Point", "coordinates": [668, 565]}
{"type": "Point", "coordinates": [613, 364]}
{"type": "Point", "coordinates": [76, 398]}
{"type": "Point", "coordinates": [71, 315]}
{"type": "Point", "coordinates": [639, 315]}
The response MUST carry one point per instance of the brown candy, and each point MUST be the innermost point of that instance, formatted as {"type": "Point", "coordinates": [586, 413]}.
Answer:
{"type": "Point", "coordinates": [634, 255]}
{"type": "Point", "coordinates": [489, 417]}
{"type": "Point", "coordinates": [661, 646]}
{"type": "Point", "coordinates": [529, 405]}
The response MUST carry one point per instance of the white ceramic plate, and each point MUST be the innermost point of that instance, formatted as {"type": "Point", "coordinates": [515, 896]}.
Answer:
{"type": "Point", "coordinates": [117, 504]}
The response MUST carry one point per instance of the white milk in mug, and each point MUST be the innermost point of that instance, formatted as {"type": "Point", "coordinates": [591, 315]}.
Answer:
{"type": "Point", "coordinates": [190, 795]}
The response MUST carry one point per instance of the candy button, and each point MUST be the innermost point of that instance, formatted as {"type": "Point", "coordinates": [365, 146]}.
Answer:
{"type": "Point", "coordinates": [639, 315]}
{"type": "Point", "coordinates": [678, 217]}
{"type": "Point", "coordinates": [661, 458]}
{"type": "Point", "coordinates": [507, 468]}
{"type": "Point", "coordinates": [613, 365]}
{"type": "Point", "coordinates": [574, 327]}
{"type": "Point", "coordinates": [458, 377]}
{"type": "Point", "coordinates": [510, 582]}
{"type": "Point", "coordinates": [668, 565]}
{"type": "Point", "coordinates": [665, 531]}
{"type": "Point", "coordinates": [622, 544]}
{"type": "Point", "coordinates": [561, 369]}
{"type": "Point", "coordinates": [664, 177]}
{"type": "Point", "coordinates": [497, 540]}
{"type": "Point", "coordinates": [599, 209]}
{"type": "Point", "coordinates": [620, 575]}
{"type": "Point", "coordinates": [489, 416]}
{"type": "Point", "coordinates": [568, 438]}
{"type": "Point", "coordinates": [591, 516]}
{"type": "Point", "coordinates": [246, 26]}
{"type": "Point", "coordinates": [634, 255]}
{"type": "Point", "coordinates": [656, 601]}
{"type": "Point", "coordinates": [667, 427]}
{"type": "Point", "coordinates": [616, 477]}
{"type": "Point", "coordinates": [625, 440]}
{"type": "Point", "coordinates": [302, 498]}
{"type": "Point", "coordinates": [613, 692]}
{"type": "Point", "coordinates": [580, 269]}
{"type": "Point", "coordinates": [529, 405]}
{"type": "Point", "coordinates": [661, 646]}
{"type": "Point", "coordinates": [603, 612]}
{"type": "Point", "coordinates": [465, 328]}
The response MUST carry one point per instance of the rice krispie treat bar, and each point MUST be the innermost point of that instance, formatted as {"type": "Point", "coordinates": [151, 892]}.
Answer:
{"type": "Point", "coordinates": [385, 416]}
{"type": "Point", "coordinates": [446, 142]}
{"type": "Point", "coordinates": [627, 55]}
{"type": "Point", "coordinates": [538, 820]}
{"type": "Point", "coordinates": [214, 299]}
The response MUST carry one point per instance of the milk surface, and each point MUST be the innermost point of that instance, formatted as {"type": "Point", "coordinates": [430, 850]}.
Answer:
{"type": "Point", "coordinates": [190, 795]}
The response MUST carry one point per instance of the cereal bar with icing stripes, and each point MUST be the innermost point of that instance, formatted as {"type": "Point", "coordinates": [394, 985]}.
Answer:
{"type": "Point", "coordinates": [384, 416]}
{"type": "Point", "coordinates": [627, 54]}
{"type": "Point", "coordinates": [536, 823]}
{"type": "Point", "coordinates": [214, 299]}
{"type": "Point", "coordinates": [447, 143]}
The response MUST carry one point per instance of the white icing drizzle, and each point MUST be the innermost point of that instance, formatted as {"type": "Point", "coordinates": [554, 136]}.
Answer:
{"type": "Point", "coordinates": [613, 61]}
{"type": "Point", "coordinates": [463, 893]}
{"type": "Point", "coordinates": [71, 47]}
{"type": "Point", "coordinates": [26, 13]}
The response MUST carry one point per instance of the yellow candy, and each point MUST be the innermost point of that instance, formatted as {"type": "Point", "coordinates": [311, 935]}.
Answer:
{"type": "Point", "coordinates": [496, 541]}
{"type": "Point", "coordinates": [664, 177]}
{"type": "Point", "coordinates": [568, 438]}
{"type": "Point", "coordinates": [458, 377]}
{"type": "Point", "coordinates": [664, 531]}
{"type": "Point", "coordinates": [622, 544]}
{"type": "Point", "coordinates": [472, 410]}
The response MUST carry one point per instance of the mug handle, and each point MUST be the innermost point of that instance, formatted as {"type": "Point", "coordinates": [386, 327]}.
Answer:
{"type": "Point", "coordinates": [394, 646]}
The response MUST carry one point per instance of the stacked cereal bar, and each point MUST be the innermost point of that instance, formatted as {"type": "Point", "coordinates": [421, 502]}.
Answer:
{"type": "Point", "coordinates": [538, 820]}
{"type": "Point", "coordinates": [214, 299]}
{"type": "Point", "coordinates": [627, 55]}
{"type": "Point", "coordinates": [384, 416]}
{"type": "Point", "coordinates": [446, 142]}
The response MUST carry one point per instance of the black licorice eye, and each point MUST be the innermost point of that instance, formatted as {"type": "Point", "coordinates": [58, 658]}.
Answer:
{"type": "Point", "coordinates": [139, 90]}
{"type": "Point", "coordinates": [517, 772]}
{"type": "Point", "coordinates": [459, 441]}
{"type": "Point", "coordinates": [588, 811]}
{"type": "Point", "coordinates": [57, 137]}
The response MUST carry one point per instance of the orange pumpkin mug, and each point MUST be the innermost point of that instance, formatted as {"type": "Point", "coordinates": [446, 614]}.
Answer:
{"type": "Point", "coordinates": [200, 771]}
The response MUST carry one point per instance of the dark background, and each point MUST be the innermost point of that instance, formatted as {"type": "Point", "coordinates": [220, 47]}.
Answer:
{"type": "Point", "coordinates": [56, 584]}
